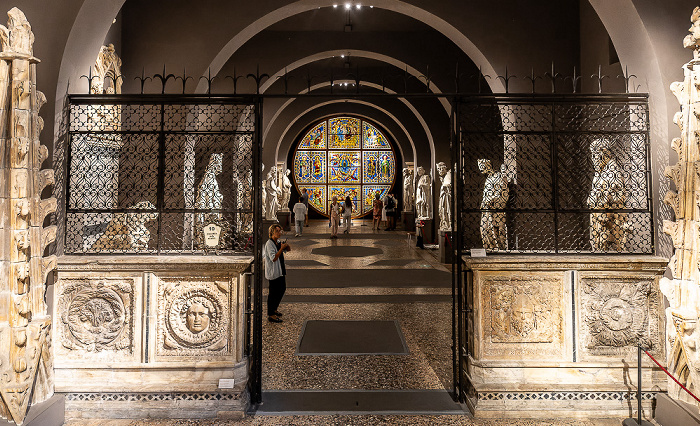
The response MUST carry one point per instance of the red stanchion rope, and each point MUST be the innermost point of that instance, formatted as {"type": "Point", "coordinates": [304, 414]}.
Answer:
{"type": "Point", "coordinates": [671, 376]}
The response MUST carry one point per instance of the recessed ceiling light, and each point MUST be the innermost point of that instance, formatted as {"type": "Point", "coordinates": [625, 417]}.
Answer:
{"type": "Point", "coordinates": [348, 6]}
{"type": "Point", "coordinates": [342, 56]}
{"type": "Point", "coordinates": [358, 6]}
{"type": "Point", "coordinates": [335, 5]}
{"type": "Point", "coordinates": [371, 7]}
{"type": "Point", "coordinates": [114, 21]}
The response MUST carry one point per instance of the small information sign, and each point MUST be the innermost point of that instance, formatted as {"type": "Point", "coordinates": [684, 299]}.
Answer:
{"type": "Point", "coordinates": [212, 232]}
{"type": "Point", "coordinates": [478, 252]}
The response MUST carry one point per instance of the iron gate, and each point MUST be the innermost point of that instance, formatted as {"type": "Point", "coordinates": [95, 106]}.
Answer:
{"type": "Point", "coordinates": [544, 174]}
{"type": "Point", "coordinates": [145, 173]}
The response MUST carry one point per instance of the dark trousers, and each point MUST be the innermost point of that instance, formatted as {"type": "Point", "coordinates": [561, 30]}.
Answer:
{"type": "Point", "coordinates": [277, 288]}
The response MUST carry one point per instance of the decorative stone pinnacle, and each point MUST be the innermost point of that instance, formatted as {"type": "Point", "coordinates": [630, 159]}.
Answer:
{"type": "Point", "coordinates": [692, 40]}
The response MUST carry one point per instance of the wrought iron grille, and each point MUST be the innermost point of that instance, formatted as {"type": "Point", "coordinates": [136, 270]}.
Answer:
{"type": "Point", "coordinates": [169, 175]}
{"type": "Point", "coordinates": [555, 174]}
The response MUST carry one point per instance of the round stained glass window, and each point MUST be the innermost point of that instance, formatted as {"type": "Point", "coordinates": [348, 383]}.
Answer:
{"type": "Point", "coordinates": [344, 156]}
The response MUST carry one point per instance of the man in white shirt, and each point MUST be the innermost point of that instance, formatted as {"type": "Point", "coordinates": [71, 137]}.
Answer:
{"type": "Point", "coordinates": [300, 212]}
{"type": "Point", "coordinates": [273, 258]}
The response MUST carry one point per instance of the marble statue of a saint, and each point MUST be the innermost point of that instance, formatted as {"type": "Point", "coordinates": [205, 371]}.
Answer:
{"type": "Point", "coordinates": [408, 192]}
{"type": "Point", "coordinates": [272, 194]}
{"type": "Point", "coordinates": [494, 232]}
{"type": "Point", "coordinates": [445, 201]}
{"type": "Point", "coordinates": [208, 195]}
{"type": "Point", "coordinates": [424, 197]}
{"type": "Point", "coordinates": [286, 191]}
{"type": "Point", "coordinates": [264, 193]}
{"type": "Point", "coordinates": [607, 192]}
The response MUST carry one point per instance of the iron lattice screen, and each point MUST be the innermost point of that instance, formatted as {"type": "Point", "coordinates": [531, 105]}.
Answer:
{"type": "Point", "coordinates": [548, 174]}
{"type": "Point", "coordinates": [172, 176]}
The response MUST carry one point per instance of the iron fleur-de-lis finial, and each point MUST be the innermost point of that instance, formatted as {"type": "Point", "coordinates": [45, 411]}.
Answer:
{"type": "Point", "coordinates": [234, 79]}
{"type": "Point", "coordinates": [142, 79]}
{"type": "Point", "coordinates": [553, 75]}
{"type": "Point", "coordinates": [184, 79]}
{"type": "Point", "coordinates": [506, 78]}
{"type": "Point", "coordinates": [627, 77]}
{"type": "Point", "coordinates": [600, 78]}
{"type": "Point", "coordinates": [258, 79]}
{"type": "Point", "coordinates": [574, 80]}
{"type": "Point", "coordinates": [532, 78]}
{"type": "Point", "coordinates": [209, 80]}
{"type": "Point", "coordinates": [163, 79]}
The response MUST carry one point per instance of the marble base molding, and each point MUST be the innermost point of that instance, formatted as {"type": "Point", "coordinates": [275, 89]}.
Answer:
{"type": "Point", "coordinates": [127, 326]}
{"type": "Point", "coordinates": [559, 334]}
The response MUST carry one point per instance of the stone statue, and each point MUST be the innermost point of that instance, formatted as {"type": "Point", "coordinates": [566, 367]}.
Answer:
{"type": "Point", "coordinates": [445, 206]}
{"type": "Point", "coordinates": [108, 78]}
{"type": "Point", "coordinates": [494, 233]}
{"type": "Point", "coordinates": [272, 194]}
{"type": "Point", "coordinates": [26, 360]}
{"type": "Point", "coordinates": [127, 231]}
{"type": "Point", "coordinates": [607, 192]}
{"type": "Point", "coordinates": [264, 193]}
{"type": "Point", "coordinates": [424, 197]}
{"type": "Point", "coordinates": [286, 191]}
{"type": "Point", "coordinates": [208, 195]}
{"type": "Point", "coordinates": [408, 192]}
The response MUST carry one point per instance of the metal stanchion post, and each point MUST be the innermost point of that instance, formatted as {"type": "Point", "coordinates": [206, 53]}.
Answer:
{"type": "Point", "coordinates": [638, 421]}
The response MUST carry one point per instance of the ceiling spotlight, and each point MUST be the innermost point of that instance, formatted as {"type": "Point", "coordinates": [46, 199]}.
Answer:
{"type": "Point", "coordinates": [335, 6]}
{"type": "Point", "coordinates": [371, 7]}
{"type": "Point", "coordinates": [358, 6]}
{"type": "Point", "coordinates": [342, 56]}
{"type": "Point", "coordinates": [348, 6]}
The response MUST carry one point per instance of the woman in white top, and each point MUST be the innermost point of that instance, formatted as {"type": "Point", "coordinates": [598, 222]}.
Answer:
{"type": "Point", "coordinates": [273, 258]}
{"type": "Point", "coordinates": [334, 211]}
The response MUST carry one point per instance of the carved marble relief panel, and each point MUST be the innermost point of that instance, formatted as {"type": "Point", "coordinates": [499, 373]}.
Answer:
{"type": "Point", "coordinates": [194, 318]}
{"type": "Point", "coordinates": [522, 316]}
{"type": "Point", "coordinates": [98, 319]}
{"type": "Point", "coordinates": [616, 312]}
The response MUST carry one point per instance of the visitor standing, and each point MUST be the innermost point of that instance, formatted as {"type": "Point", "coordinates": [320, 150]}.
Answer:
{"type": "Point", "coordinates": [347, 212]}
{"type": "Point", "coordinates": [300, 212]}
{"type": "Point", "coordinates": [334, 221]}
{"type": "Point", "coordinates": [390, 206]}
{"type": "Point", "coordinates": [377, 207]}
{"type": "Point", "coordinates": [304, 198]}
{"type": "Point", "coordinates": [273, 257]}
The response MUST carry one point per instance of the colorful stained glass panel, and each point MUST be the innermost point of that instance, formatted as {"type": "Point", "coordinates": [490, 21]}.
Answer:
{"type": "Point", "coordinates": [344, 167]}
{"type": "Point", "coordinates": [342, 191]}
{"type": "Point", "coordinates": [315, 139]}
{"type": "Point", "coordinates": [310, 166]}
{"type": "Point", "coordinates": [368, 192]}
{"type": "Point", "coordinates": [317, 196]}
{"type": "Point", "coordinates": [344, 133]}
{"type": "Point", "coordinates": [373, 138]}
{"type": "Point", "coordinates": [378, 167]}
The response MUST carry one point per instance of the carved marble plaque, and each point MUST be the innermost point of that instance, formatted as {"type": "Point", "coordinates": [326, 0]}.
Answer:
{"type": "Point", "coordinates": [522, 316]}
{"type": "Point", "coordinates": [96, 319]}
{"type": "Point", "coordinates": [194, 318]}
{"type": "Point", "coordinates": [616, 312]}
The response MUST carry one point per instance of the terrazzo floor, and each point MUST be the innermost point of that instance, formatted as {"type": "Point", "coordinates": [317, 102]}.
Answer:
{"type": "Point", "coordinates": [423, 312]}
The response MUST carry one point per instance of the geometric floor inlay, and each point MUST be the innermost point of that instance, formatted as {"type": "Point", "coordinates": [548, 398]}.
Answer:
{"type": "Point", "coordinates": [351, 338]}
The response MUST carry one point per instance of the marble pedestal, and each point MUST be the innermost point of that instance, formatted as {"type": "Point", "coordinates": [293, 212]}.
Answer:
{"type": "Point", "coordinates": [285, 219]}
{"type": "Point", "coordinates": [409, 220]}
{"type": "Point", "coordinates": [428, 232]}
{"type": "Point", "coordinates": [446, 247]}
{"type": "Point", "coordinates": [151, 336]}
{"type": "Point", "coordinates": [553, 336]}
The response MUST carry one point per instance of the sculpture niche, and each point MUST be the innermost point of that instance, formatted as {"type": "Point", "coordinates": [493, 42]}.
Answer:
{"type": "Point", "coordinates": [494, 232]}
{"type": "Point", "coordinates": [607, 192]}
{"type": "Point", "coordinates": [445, 206]}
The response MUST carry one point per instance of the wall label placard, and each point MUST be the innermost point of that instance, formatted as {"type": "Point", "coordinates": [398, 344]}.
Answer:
{"type": "Point", "coordinates": [212, 232]}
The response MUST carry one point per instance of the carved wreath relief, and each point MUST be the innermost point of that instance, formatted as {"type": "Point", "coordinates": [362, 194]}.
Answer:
{"type": "Point", "coordinates": [194, 317]}
{"type": "Point", "coordinates": [97, 315]}
{"type": "Point", "coordinates": [521, 314]}
{"type": "Point", "coordinates": [619, 313]}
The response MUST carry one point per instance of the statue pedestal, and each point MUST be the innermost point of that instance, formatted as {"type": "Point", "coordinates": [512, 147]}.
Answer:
{"type": "Point", "coordinates": [284, 218]}
{"type": "Point", "coordinates": [428, 234]}
{"type": "Point", "coordinates": [446, 247]}
{"type": "Point", "coordinates": [409, 220]}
